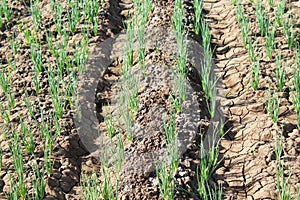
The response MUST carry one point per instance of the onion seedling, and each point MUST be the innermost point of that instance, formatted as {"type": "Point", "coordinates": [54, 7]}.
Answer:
{"type": "Point", "coordinates": [198, 6]}
{"type": "Point", "coordinates": [280, 73]}
{"type": "Point", "coordinates": [273, 104]}
{"type": "Point", "coordinates": [255, 75]}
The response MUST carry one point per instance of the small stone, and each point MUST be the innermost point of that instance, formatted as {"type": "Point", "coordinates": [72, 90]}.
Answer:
{"type": "Point", "coordinates": [182, 173]}
{"type": "Point", "coordinates": [66, 187]}
{"type": "Point", "coordinates": [262, 194]}
{"type": "Point", "coordinates": [70, 173]}
{"type": "Point", "coordinates": [49, 198]}
{"type": "Point", "coordinates": [155, 181]}
{"type": "Point", "coordinates": [271, 170]}
{"type": "Point", "coordinates": [52, 182]}
{"type": "Point", "coordinates": [186, 180]}
{"type": "Point", "coordinates": [293, 135]}
{"type": "Point", "coordinates": [1, 184]}
{"type": "Point", "coordinates": [56, 175]}
{"type": "Point", "coordinates": [292, 152]}
{"type": "Point", "coordinates": [66, 183]}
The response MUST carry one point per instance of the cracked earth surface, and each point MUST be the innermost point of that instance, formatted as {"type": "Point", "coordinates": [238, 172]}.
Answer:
{"type": "Point", "coordinates": [248, 168]}
{"type": "Point", "coordinates": [249, 165]}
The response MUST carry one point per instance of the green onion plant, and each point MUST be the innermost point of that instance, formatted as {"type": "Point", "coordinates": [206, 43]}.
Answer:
{"type": "Point", "coordinates": [35, 13]}
{"type": "Point", "coordinates": [73, 15]}
{"type": "Point", "coordinates": [91, 187]}
{"type": "Point", "coordinates": [27, 137]}
{"type": "Point", "coordinates": [270, 42]}
{"type": "Point", "coordinates": [280, 12]}
{"type": "Point", "coordinates": [263, 18]}
{"type": "Point", "coordinates": [18, 164]}
{"type": "Point", "coordinates": [273, 104]}
{"type": "Point", "coordinates": [255, 75]}
{"type": "Point", "coordinates": [109, 124]}
{"type": "Point", "coordinates": [38, 183]}
{"type": "Point", "coordinates": [280, 73]}
{"type": "Point", "coordinates": [289, 33]}
{"type": "Point", "coordinates": [198, 6]}
{"type": "Point", "coordinates": [166, 182]}
{"type": "Point", "coordinates": [283, 186]}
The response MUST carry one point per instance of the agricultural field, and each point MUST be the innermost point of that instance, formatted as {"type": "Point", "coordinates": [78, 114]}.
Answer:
{"type": "Point", "coordinates": [149, 99]}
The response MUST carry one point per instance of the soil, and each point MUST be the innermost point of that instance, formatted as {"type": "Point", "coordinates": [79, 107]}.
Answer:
{"type": "Point", "coordinates": [247, 167]}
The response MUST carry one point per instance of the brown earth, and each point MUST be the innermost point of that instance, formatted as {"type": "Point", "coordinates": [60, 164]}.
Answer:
{"type": "Point", "coordinates": [249, 164]}
{"type": "Point", "coordinates": [248, 167]}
